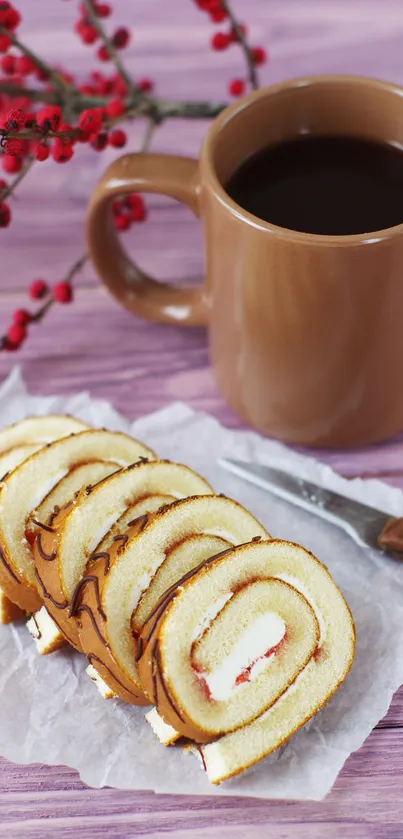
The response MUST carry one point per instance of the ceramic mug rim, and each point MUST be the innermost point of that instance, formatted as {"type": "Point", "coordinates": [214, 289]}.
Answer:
{"type": "Point", "coordinates": [242, 105]}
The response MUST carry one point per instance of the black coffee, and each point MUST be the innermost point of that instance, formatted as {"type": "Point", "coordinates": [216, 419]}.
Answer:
{"type": "Point", "coordinates": [329, 185]}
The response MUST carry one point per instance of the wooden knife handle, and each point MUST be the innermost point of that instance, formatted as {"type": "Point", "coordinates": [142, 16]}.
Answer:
{"type": "Point", "coordinates": [391, 537]}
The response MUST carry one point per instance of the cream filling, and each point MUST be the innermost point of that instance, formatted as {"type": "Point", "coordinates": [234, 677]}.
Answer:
{"type": "Point", "coordinates": [141, 586]}
{"type": "Point", "coordinates": [292, 581]}
{"type": "Point", "coordinates": [103, 529]}
{"type": "Point", "coordinates": [209, 616]}
{"type": "Point", "coordinates": [46, 488]}
{"type": "Point", "coordinates": [44, 631]}
{"type": "Point", "coordinates": [261, 635]}
{"type": "Point", "coordinates": [103, 688]}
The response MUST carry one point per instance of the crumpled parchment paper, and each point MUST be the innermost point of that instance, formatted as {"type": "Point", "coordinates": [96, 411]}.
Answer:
{"type": "Point", "coordinates": [51, 711]}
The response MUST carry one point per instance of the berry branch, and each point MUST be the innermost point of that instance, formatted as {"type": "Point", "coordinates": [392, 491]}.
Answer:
{"type": "Point", "coordinates": [240, 33]}
{"type": "Point", "coordinates": [121, 38]}
{"type": "Point", "coordinates": [46, 72]}
{"type": "Point", "coordinates": [38, 123]}
{"type": "Point", "coordinates": [8, 190]}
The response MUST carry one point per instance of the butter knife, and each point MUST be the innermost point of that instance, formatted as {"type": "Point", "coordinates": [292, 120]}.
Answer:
{"type": "Point", "coordinates": [368, 526]}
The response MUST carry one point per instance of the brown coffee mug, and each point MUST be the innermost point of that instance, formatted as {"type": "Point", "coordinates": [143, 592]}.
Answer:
{"type": "Point", "coordinates": [306, 330]}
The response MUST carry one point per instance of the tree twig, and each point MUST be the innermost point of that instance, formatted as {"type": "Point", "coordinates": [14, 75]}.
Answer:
{"type": "Point", "coordinates": [9, 189]}
{"type": "Point", "coordinates": [47, 70]}
{"type": "Point", "coordinates": [94, 20]}
{"type": "Point", "coordinates": [149, 133]}
{"type": "Point", "coordinates": [252, 74]}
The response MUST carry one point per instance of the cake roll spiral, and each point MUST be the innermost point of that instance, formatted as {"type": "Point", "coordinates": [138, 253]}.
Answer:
{"type": "Point", "coordinates": [244, 650]}
{"type": "Point", "coordinates": [73, 555]}
{"type": "Point", "coordinates": [30, 490]}
{"type": "Point", "coordinates": [154, 556]}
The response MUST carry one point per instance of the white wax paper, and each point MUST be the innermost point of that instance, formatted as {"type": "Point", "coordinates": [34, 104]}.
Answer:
{"type": "Point", "coordinates": [51, 711]}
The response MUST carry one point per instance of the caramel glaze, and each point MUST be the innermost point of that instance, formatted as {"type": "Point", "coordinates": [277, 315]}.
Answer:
{"type": "Point", "coordinates": [47, 572]}
{"type": "Point", "coordinates": [22, 595]}
{"type": "Point", "coordinates": [92, 621]}
{"type": "Point", "coordinates": [391, 538]}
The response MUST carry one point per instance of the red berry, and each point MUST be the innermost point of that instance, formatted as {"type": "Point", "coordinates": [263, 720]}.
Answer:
{"type": "Point", "coordinates": [100, 141]}
{"type": "Point", "coordinates": [115, 108]}
{"type": "Point", "coordinates": [102, 9]}
{"type": "Point", "coordinates": [146, 85]}
{"type": "Point", "coordinates": [62, 292]}
{"type": "Point", "coordinates": [16, 334]}
{"type": "Point", "coordinates": [119, 87]}
{"type": "Point", "coordinates": [13, 19]}
{"type": "Point", "coordinates": [49, 118]}
{"type": "Point", "coordinates": [41, 152]}
{"type": "Point", "coordinates": [11, 164]}
{"type": "Point", "coordinates": [88, 34]}
{"type": "Point", "coordinates": [62, 152]}
{"type": "Point", "coordinates": [30, 119]}
{"type": "Point", "coordinates": [5, 214]}
{"type": "Point", "coordinates": [134, 200]}
{"type": "Point", "coordinates": [65, 128]}
{"type": "Point", "coordinates": [21, 317]}
{"type": "Point", "coordinates": [220, 41]}
{"type": "Point", "coordinates": [103, 53]}
{"type": "Point", "coordinates": [90, 120]}
{"type": "Point", "coordinates": [25, 66]}
{"type": "Point", "coordinates": [5, 43]}
{"type": "Point", "coordinates": [3, 186]}
{"type": "Point", "coordinates": [4, 10]}
{"type": "Point", "coordinates": [121, 37]}
{"type": "Point", "coordinates": [122, 222]}
{"type": "Point", "coordinates": [38, 289]}
{"type": "Point", "coordinates": [236, 87]}
{"type": "Point", "coordinates": [41, 75]}
{"type": "Point", "coordinates": [259, 56]}
{"type": "Point", "coordinates": [139, 213]}
{"type": "Point", "coordinates": [118, 138]}
{"type": "Point", "coordinates": [116, 207]}
{"type": "Point", "coordinates": [217, 15]}
{"type": "Point", "coordinates": [8, 64]}
{"type": "Point", "coordinates": [83, 137]}
{"type": "Point", "coordinates": [234, 34]}
{"type": "Point", "coordinates": [206, 5]}
{"type": "Point", "coordinates": [16, 118]}
{"type": "Point", "coordinates": [14, 146]}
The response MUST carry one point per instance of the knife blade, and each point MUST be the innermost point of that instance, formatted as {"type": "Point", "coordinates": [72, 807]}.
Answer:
{"type": "Point", "coordinates": [368, 526]}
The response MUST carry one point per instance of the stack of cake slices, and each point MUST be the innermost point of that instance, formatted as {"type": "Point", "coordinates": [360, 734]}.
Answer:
{"type": "Point", "coordinates": [179, 598]}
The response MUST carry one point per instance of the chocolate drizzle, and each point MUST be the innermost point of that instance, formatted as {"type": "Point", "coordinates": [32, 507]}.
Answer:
{"type": "Point", "coordinates": [160, 606]}
{"type": "Point", "coordinates": [64, 633]}
{"type": "Point", "coordinates": [39, 633]}
{"type": "Point", "coordinates": [200, 751]}
{"type": "Point", "coordinates": [43, 526]}
{"type": "Point", "coordinates": [47, 557]}
{"type": "Point", "coordinates": [7, 566]}
{"type": "Point", "coordinates": [140, 648]}
{"type": "Point", "coordinates": [77, 591]}
{"type": "Point", "coordinates": [92, 657]}
{"type": "Point", "coordinates": [85, 608]}
{"type": "Point", "coordinates": [163, 685]}
{"type": "Point", "coordinates": [153, 672]}
{"type": "Point", "coordinates": [143, 518]}
{"type": "Point", "coordinates": [102, 555]}
{"type": "Point", "coordinates": [48, 596]}
{"type": "Point", "coordinates": [56, 511]}
{"type": "Point", "coordinates": [123, 538]}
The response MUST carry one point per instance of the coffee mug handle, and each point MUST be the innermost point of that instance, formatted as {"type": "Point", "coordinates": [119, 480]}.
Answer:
{"type": "Point", "coordinates": [177, 177]}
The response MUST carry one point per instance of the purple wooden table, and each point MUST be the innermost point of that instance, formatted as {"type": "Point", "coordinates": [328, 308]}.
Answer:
{"type": "Point", "coordinates": [140, 367]}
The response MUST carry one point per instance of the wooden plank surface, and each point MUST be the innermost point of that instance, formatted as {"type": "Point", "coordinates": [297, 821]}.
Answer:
{"type": "Point", "coordinates": [97, 346]}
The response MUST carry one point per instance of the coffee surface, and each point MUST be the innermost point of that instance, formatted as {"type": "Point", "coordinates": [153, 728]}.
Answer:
{"type": "Point", "coordinates": [330, 185]}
